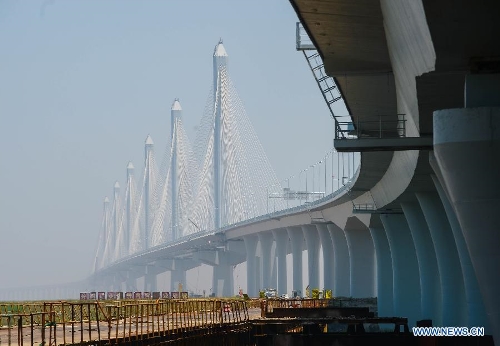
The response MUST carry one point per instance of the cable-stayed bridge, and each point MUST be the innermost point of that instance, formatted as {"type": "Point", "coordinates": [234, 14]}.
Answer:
{"type": "Point", "coordinates": [183, 208]}
{"type": "Point", "coordinates": [411, 223]}
{"type": "Point", "coordinates": [222, 179]}
{"type": "Point", "coordinates": [178, 213]}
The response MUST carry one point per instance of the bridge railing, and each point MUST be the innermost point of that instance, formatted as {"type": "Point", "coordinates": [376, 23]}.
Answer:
{"type": "Point", "coordinates": [346, 186]}
{"type": "Point", "coordinates": [62, 323]}
{"type": "Point", "coordinates": [377, 126]}
{"type": "Point", "coordinates": [328, 198]}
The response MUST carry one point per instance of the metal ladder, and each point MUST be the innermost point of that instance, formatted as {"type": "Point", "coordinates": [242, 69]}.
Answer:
{"type": "Point", "coordinates": [326, 84]}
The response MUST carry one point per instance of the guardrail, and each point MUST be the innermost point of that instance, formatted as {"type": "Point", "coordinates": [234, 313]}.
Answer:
{"type": "Point", "coordinates": [378, 126]}
{"type": "Point", "coordinates": [277, 214]}
{"type": "Point", "coordinates": [62, 323]}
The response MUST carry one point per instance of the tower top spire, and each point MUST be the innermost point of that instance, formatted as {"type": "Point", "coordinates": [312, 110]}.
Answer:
{"type": "Point", "coordinates": [220, 50]}
{"type": "Point", "coordinates": [149, 141]}
{"type": "Point", "coordinates": [176, 106]}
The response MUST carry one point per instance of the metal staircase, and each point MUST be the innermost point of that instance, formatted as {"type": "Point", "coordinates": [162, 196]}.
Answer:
{"type": "Point", "coordinates": [327, 85]}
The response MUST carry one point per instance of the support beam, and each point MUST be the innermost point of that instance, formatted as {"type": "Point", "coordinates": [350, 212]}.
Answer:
{"type": "Point", "coordinates": [297, 241]}
{"type": "Point", "coordinates": [328, 258]}
{"type": "Point", "coordinates": [476, 312]}
{"type": "Point", "coordinates": [385, 303]}
{"type": "Point", "coordinates": [452, 281]}
{"type": "Point", "coordinates": [361, 259]}
{"type": "Point", "coordinates": [281, 239]}
{"type": "Point", "coordinates": [405, 273]}
{"type": "Point", "coordinates": [380, 144]}
{"type": "Point", "coordinates": [177, 280]}
{"type": "Point", "coordinates": [222, 284]}
{"type": "Point", "coordinates": [150, 279]}
{"type": "Point", "coordinates": [251, 249]}
{"type": "Point", "coordinates": [432, 307]}
{"type": "Point", "coordinates": [342, 275]}
{"type": "Point", "coordinates": [312, 242]}
{"type": "Point", "coordinates": [466, 146]}
{"type": "Point", "coordinates": [266, 244]}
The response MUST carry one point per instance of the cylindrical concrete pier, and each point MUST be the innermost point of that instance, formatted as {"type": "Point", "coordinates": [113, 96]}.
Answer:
{"type": "Point", "coordinates": [476, 312]}
{"type": "Point", "coordinates": [297, 241]}
{"type": "Point", "coordinates": [406, 280]}
{"type": "Point", "coordinates": [342, 275]}
{"type": "Point", "coordinates": [251, 248]}
{"type": "Point", "coordinates": [452, 281]}
{"type": "Point", "coordinates": [430, 283]}
{"type": "Point", "coordinates": [328, 258]}
{"type": "Point", "coordinates": [467, 150]}
{"type": "Point", "coordinates": [266, 244]}
{"type": "Point", "coordinates": [361, 258]}
{"type": "Point", "coordinates": [385, 304]}
{"type": "Point", "coordinates": [312, 242]}
{"type": "Point", "coordinates": [281, 239]}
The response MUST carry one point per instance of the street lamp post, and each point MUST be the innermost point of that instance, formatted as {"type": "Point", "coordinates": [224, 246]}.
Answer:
{"type": "Point", "coordinates": [300, 173]}
{"type": "Point", "coordinates": [288, 191]}
{"type": "Point", "coordinates": [319, 171]}
{"type": "Point", "coordinates": [267, 194]}
{"type": "Point", "coordinates": [312, 178]}
{"type": "Point", "coordinates": [307, 192]}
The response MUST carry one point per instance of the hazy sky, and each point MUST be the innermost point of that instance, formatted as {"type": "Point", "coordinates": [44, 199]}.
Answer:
{"type": "Point", "coordinates": [83, 82]}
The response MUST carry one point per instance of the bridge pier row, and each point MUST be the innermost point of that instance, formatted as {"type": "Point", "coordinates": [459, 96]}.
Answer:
{"type": "Point", "coordinates": [266, 244]}
{"type": "Point", "coordinates": [476, 313]}
{"type": "Point", "coordinates": [361, 258]}
{"type": "Point", "coordinates": [281, 240]}
{"type": "Point", "coordinates": [405, 273]}
{"type": "Point", "coordinates": [312, 242]}
{"type": "Point", "coordinates": [297, 243]}
{"type": "Point", "coordinates": [430, 281]}
{"type": "Point", "coordinates": [328, 258]}
{"type": "Point", "coordinates": [466, 147]}
{"type": "Point", "coordinates": [342, 275]}
{"type": "Point", "coordinates": [452, 281]}
{"type": "Point", "coordinates": [251, 253]}
{"type": "Point", "coordinates": [385, 297]}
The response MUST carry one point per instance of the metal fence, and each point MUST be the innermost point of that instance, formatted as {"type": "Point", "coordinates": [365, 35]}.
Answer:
{"type": "Point", "coordinates": [62, 323]}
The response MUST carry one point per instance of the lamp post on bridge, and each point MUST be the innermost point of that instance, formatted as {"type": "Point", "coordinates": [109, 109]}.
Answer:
{"type": "Point", "coordinates": [287, 197]}
{"type": "Point", "coordinates": [319, 172]}
{"type": "Point", "coordinates": [313, 178]}
{"type": "Point", "coordinates": [267, 196]}
{"type": "Point", "coordinates": [307, 190]}
{"type": "Point", "coordinates": [252, 204]}
{"type": "Point", "coordinates": [300, 173]}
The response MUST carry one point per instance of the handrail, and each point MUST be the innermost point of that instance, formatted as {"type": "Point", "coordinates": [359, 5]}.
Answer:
{"type": "Point", "coordinates": [375, 127]}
